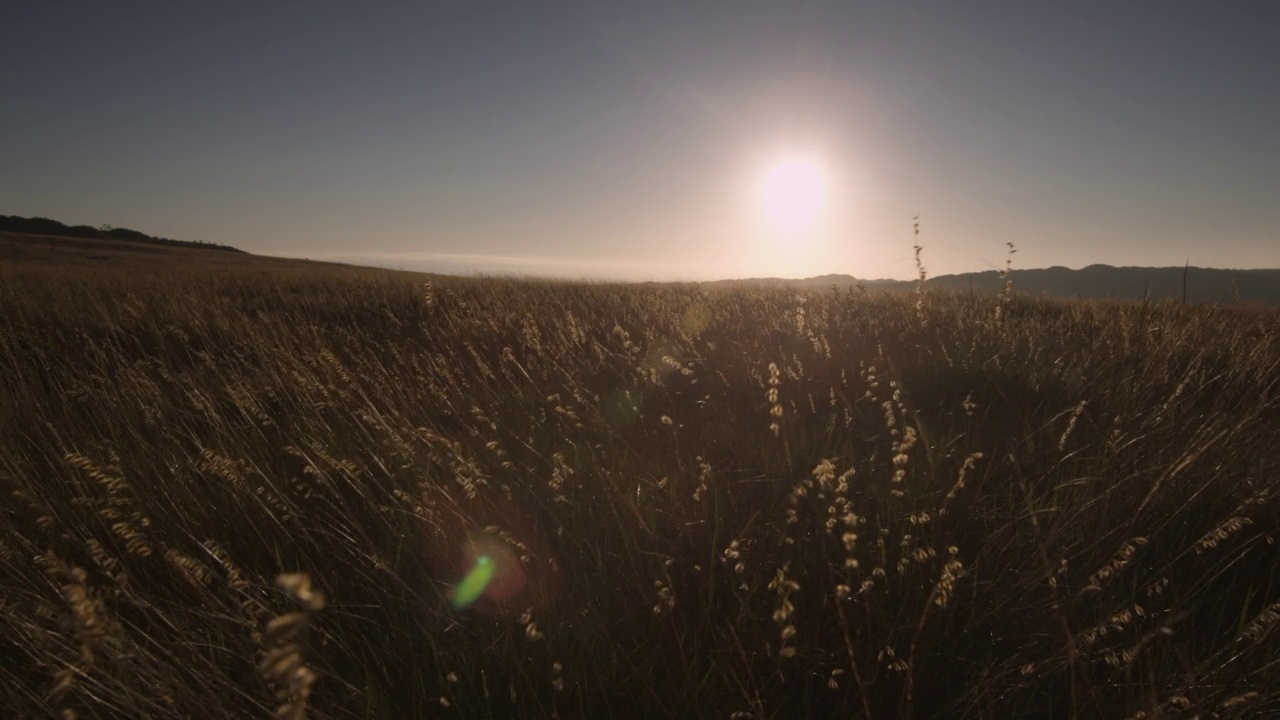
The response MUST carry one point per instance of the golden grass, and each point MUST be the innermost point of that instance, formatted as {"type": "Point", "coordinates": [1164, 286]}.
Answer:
{"type": "Point", "coordinates": [244, 492]}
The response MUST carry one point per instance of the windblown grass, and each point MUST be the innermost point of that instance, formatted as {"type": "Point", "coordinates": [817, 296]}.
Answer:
{"type": "Point", "coordinates": [244, 493]}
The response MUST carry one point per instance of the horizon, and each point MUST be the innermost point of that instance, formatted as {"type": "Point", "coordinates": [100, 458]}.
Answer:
{"type": "Point", "coordinates": [475, 271]}
{"type": "Point", "coordinates": [658, 143]}
{"type": "Point", "coordinates": [461, 269]}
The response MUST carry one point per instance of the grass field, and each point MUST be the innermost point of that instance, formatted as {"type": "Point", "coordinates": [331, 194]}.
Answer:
{"type": "Point", "coordinates": [245, 488]}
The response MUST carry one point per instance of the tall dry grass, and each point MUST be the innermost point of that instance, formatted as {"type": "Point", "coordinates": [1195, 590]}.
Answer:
{"type": "Point", "coordinates": [243, 493]}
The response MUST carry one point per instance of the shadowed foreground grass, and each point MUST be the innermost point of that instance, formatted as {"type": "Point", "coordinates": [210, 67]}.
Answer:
{"type": "Point", "coordinates": [244, 493]}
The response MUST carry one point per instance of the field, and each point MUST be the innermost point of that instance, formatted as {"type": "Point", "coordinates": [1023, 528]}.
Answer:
{"type": "Point", "coordinates": [244, 488]}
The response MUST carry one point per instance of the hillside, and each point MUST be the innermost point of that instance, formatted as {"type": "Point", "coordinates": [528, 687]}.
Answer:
{"type": "Point", "coordinates": [53, 228]}
{"type": "Point", "coordinates": [50, 252]}
{"type": "Point", "coordinates": [1104, 281]}
{"type": "Point", "coordinates": [1204, 285]}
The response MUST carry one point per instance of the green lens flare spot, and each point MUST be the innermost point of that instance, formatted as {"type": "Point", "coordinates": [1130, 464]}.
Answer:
{"type": "Point", "coordinates": [473, 583]}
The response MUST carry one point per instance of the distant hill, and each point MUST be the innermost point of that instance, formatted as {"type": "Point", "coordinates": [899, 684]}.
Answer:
{"type": "Point", "coordinates": [45, 226]}
{"type": "Point", "coordinates": [824, 281]}
{"type": "Point", "coordinates": [1095, 281]}
{"type": "Point", "coordinates": [23, 252]}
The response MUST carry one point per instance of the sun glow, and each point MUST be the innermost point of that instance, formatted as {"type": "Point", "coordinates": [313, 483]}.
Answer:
{"type": "Point", "coordinates": [793, 192]}
{"type": "Point", "coordinates": [794, 214]}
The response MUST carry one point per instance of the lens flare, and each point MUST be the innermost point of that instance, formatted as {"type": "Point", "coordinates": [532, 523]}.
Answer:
{"type": "Point", "coordinates": [473, 584]}
{"type": "Point", "coordinates": [489, 557]}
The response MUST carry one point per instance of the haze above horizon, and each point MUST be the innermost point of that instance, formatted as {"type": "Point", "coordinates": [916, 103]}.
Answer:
{"type": "Point", "coordinates": [657, 141]}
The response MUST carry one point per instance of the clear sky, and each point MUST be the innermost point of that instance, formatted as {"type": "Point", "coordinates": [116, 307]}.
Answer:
{"type": "Point", "coordinates": [636, 140]}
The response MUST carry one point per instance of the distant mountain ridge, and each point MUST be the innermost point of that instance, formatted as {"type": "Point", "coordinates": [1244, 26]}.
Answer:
{"type": "Point", "coordinates": [1100, 281]}
{"type": "Point", "coordinates": [1094, 281]}
{"type": "Point", "coordinates": [45, 226]}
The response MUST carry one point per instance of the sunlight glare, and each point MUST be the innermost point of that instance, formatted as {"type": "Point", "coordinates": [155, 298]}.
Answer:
{"type": "Point", "coordinates": [793, 192]}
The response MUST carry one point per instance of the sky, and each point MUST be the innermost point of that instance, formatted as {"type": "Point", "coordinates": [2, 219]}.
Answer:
{"type": "Point", "coordinates": [643, 140]}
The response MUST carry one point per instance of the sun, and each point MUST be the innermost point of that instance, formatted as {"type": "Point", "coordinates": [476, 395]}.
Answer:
{"type": "Point", "coordinates": [793, 192]}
